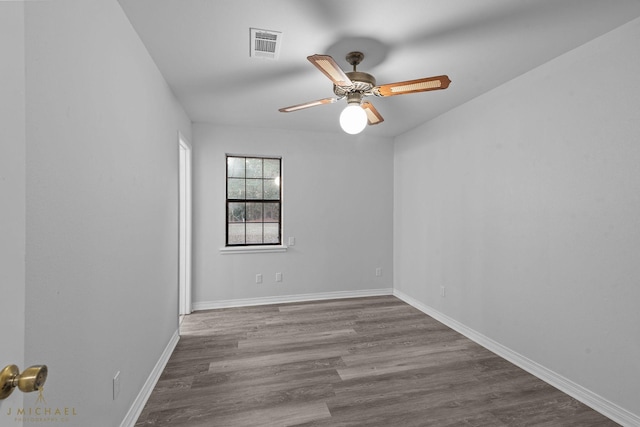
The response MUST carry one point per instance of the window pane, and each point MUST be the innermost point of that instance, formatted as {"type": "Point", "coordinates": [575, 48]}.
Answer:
{"type": "Point", "coordinates": [236, 234]}
{"type": "Point", "coordinates": [271, 212]}
{"type": "Point", "coordinates": [271, 233]}
{"type": "Point", "coordinates": [254, 168]}
{"type": "Point", "coordinates": [235, 188]}
{"type": "Point", "coordinates": [254, 233]}
{"type": "Point", "coordinates": [236, 167]}
{"type": "Point", "coordinates": [271, 168]}
{"type": "Point", "coordinates": [237, 212]}
{"type": "Point", "coordinates": [253, 200]}
{"type": "Point", "coordinates": [271, 189]}
{"type": "Point", "coordinates": [254, 189]}
{"type": "Point", "coordinates": [254, 212]}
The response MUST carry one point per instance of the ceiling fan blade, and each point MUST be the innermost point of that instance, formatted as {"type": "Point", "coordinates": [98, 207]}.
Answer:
{"type": "Point", "coordinates": [307, 105]}
{"type": "Point", "coordinates": [372, 114]}
{"type": "Point", "coordinates": [330, 68]}
{"type": "Point", "coordinates": [413, 86]}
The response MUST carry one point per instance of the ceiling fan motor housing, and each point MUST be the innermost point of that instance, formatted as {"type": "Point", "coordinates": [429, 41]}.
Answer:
{"type": "Point", "coordinates": [362, 83]}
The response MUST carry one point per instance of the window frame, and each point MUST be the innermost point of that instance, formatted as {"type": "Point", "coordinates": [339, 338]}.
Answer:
{"type": "Point", "coordinates": [257, 246]}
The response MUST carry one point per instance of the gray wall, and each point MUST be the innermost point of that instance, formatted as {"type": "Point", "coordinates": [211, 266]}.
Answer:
{"type": "Point", "coordinates": [338, 204]}
{"type": "Point", "coordinates": [102, 207]}
{"type": "Point", "coordinates": [524, 204]}
{"type": "Point", "coordinates": [12, 195]}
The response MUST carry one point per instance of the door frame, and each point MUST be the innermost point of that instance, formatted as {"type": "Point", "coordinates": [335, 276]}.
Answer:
{"type": "Point", "coordinates": [185, 226]}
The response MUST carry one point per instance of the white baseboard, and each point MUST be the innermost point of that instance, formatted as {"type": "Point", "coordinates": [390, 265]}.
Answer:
{"type": "Point", "coordinates": [209, 305]}
{"type": "Point", "coordinates": [138, 404]}
{"type": "Point", "coordinates": [589, 398]}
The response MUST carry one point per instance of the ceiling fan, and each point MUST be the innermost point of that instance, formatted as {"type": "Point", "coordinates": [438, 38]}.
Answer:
{"type": "Point", "coordinates": [356, 85]}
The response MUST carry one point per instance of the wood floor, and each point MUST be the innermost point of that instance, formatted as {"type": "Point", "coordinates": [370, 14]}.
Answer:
{"type": "Point", "coordinates": [353, 362]}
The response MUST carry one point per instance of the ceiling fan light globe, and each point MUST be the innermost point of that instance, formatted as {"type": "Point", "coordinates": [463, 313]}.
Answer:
{"type": "Point", "coordinates": [353, 119]}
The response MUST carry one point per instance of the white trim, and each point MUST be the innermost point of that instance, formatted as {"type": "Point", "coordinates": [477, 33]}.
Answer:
{"type": "Point", "coordinates": [210, 305]}
{"type": "Point", "coordinates": [184, 141]}
{"type": "Point", "coordinates": [141, 400]}
{"type": "Point", "coordinates": [185, 224]}
{"type": "Point", "coordinates": [589, 398]}
{"type": "Point", "coordinates": [253, 249]}
{"type": "Point", "coordinates": [256, 249]}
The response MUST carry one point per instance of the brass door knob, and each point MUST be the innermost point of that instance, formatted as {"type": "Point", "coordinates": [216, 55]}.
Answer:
{"type": "Point", "coordinates": [31, 379]}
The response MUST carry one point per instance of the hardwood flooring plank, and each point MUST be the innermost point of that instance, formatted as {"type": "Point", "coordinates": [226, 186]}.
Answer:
{"type": "Point", "coordinates": [281, 377]}
{"type": "Point", "coordinates": [277, 416]}
{"type": "Point", "coordinates": [480, 420]}
{"type": "Point", "coordinates": [390, 362]}
{"type": "Point", "coordinates": [272, 359]}
{"type": "Point", "coordinates": [546, 412]}
{"type": "Point", "coordinates": [297, 338]}
{"type": "Point", "coordinates": [300, 328]}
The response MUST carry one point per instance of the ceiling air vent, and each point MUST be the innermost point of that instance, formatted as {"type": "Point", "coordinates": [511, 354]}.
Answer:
{"type": "Point", "coordinates": [265, 43]}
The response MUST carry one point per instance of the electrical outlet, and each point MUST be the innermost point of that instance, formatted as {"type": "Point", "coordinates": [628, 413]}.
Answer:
{"type": "Point", "coordinates": [116, 385]}
{"type": "Point", "coordinates": [258, 278]}
{"type": "Point", "coordinates": [378, 272]}
{"type": "Point", "coordinates": [292, 241]}
{"type": "Point", "coordinates": [278, 277]}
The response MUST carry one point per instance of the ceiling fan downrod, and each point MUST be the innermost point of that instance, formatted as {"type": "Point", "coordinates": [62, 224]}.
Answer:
{"type": "Point", "coordinates": [354, 58]}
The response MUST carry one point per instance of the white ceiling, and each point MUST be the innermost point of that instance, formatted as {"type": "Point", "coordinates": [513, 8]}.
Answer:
{"type": "Point", "coordinates": [202, 49]}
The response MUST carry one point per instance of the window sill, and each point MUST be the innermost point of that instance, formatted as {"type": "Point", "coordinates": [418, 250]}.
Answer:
{"type": "Point", "coordinates": [253, 249]}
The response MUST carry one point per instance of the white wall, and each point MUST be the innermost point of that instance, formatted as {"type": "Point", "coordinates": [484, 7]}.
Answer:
{"type": "Point", "coordinates": [102, 207]}
{"type": "Point", "coordinates": [12, 196]}
{"type": "Point", "coordinates": [337, 204]}
{"type": "Point", "coordinates": [524, 204]}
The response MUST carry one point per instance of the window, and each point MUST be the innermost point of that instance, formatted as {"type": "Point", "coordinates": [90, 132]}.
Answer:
{"type": "Point", "coordinates": [254, 202]}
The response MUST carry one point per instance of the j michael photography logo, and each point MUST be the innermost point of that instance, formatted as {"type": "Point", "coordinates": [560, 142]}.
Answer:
{"type": "Point", "coordinates": [40, 412]}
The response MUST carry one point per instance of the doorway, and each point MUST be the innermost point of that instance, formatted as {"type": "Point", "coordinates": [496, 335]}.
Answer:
{"type": "Point", "coordinates": [184, 269]}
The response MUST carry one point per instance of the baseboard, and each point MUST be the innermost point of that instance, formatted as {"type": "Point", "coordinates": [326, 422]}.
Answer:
{"type": "Point", "coordinates": [138, 404]}
{"type": "Point", "coordinates": [209, 305]}
{"type": "Point", "coordinates": [589, 398]}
